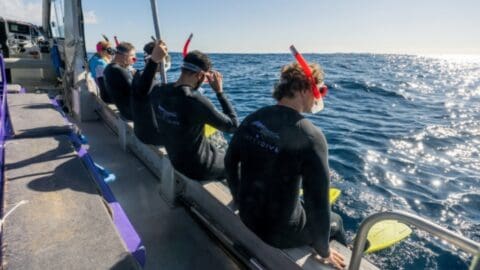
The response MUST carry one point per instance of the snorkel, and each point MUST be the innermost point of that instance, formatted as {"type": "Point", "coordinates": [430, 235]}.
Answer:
{"type": "Point", "coordinates": [318, 94]}
{"type": "Point", "coordinates": [105, 38]}
{"type": "Point", "coordinates": [187, 43]}
{"type": "Point", "coordinates": [116, 41]}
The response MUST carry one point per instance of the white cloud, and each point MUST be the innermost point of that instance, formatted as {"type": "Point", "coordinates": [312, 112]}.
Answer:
{"type": "Point", "coordinates": [22, 10]}
{"type": "Point", "coordinates": [89, 17]}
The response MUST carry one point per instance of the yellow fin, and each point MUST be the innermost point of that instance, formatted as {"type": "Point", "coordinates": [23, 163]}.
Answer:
{"type": "Point", "coordinates": [334, 193]}
{"type": "Point", "coordinates": [385, 234]}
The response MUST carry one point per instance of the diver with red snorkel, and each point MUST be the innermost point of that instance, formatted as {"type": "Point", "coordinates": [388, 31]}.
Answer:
{"type": "Point", "coordinates": [181, 113]}
{"type": "Point", "coordinates": [275, 152]}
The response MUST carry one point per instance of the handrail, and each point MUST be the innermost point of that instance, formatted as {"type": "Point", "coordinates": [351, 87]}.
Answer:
{"type": "Point", "coordinates": [163, 72]}
{"type": "Point", "coordinates": [421, 223]}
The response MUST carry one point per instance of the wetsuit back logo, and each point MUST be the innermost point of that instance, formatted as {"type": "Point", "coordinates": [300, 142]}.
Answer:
{"type": "Point", "coordinates": [169, 117]}
{"type": "Point", "coordinates": [263, 137]}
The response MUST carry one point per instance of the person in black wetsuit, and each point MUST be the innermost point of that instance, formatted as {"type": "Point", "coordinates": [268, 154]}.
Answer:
{"type": "Point", "coordinates": [118, 78]}
{"type": "Point", "coordinates": [181, 114]}
{"type": "Point", "coordinates": [275, 152]}
{"type": "Point", "coordinates": [144, 123]}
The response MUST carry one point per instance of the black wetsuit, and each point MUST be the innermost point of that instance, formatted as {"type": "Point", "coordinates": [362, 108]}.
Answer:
{"type": "Point", "coordinates": [103, 90]}
{"type": "Point", "coordinates": [181, 114]}
{"type": "Point", "coordinates": [274, 153]}
{"type": "Point", "coordinates": [118, 83]}
{"type": "Point", "coordinates": [144, 123]}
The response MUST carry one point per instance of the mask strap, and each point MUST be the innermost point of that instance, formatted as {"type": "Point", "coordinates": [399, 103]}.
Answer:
{"type": "Point", "coordinates": [191, 67]}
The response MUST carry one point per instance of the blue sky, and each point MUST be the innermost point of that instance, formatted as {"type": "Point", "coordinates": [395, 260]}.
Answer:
{"type": "Point", "coordinates": [378, 26]}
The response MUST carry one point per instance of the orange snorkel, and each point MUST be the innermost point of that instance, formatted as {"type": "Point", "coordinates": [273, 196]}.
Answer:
{"type": "Point", "coordinates": [319, 94]}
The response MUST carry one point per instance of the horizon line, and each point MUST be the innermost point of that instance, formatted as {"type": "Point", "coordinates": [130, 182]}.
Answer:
{"type": "Point", "coordinates": [326, 53]}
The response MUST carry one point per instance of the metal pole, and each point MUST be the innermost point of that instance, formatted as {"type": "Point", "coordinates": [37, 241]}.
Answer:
{"type": "Point", "coordinates": [411, 219]}
{"type": "Point", "coordinates": [57, 25]}
{"type": "Point", "coordinates": [153, 3]}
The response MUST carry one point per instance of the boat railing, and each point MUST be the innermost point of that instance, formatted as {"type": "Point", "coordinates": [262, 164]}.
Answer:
{"type": "Point", "coordinates": [453, 238]}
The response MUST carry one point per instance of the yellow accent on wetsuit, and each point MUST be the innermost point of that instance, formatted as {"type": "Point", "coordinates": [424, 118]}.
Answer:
{"type": "Point", "coordinates": [209, 130]}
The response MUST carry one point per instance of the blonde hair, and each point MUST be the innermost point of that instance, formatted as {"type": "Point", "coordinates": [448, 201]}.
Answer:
{"type": "Point", "coordinates": [293, 79]}
{"type": "Point", "coordinates": [102, 45]}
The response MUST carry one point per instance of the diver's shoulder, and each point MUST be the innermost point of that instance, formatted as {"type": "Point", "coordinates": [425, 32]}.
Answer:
{"type": "Point", "coordinates": [113, 67]}
{"type": "Point", "coordinates": [309, 129]}
{"type": "Point", "coordinates": [163, 89]}
{"type": "Point", "coordinates": [268, 111]}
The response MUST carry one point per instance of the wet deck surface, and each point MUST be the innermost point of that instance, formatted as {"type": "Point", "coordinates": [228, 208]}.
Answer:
{"type": "Point", "coordinates": [173, 240]}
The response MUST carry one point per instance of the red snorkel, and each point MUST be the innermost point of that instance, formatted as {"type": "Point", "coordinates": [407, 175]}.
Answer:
{"type": "Point", "coordinates": [187, 43]}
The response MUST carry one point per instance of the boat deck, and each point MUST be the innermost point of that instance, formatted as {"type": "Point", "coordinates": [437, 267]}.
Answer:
{"type": "Point", "coordinates": [56, 211]}
{"type": "Point", "coordinates": [172, 238]}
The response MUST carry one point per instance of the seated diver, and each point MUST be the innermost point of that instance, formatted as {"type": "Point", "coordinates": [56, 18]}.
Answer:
{"type": "Point", "coordinates": [144, 123]}
{"type": "Point", "coordinates": [275, 152]}
{"type": "Point", "coordinates": [118, 78]}
{"type": "Point", "coordinates": [181, 114]}
{"type": "Point", "coordinates": [97, 65]}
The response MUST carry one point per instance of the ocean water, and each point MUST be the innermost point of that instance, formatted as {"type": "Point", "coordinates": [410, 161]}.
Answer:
{"type": "Point", "coordinates": [403, 134]}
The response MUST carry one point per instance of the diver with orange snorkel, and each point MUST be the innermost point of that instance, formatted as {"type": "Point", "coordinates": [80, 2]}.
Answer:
{"type": "Point", "coordinates": [274, 153]}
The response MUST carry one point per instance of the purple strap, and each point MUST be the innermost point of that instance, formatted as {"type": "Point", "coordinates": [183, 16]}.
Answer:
{"type": "Point", "coordinates": [120, 219]}
{"type": "Point", "coordinates": [3, 115]}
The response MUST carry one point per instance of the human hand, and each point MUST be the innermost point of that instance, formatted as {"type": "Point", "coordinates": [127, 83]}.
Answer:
{"type": "Point", "coordinates": [159, 52]}
{"type": "Point", "coordinates": [335, 259]}
{"type": "Point", "coordinates": [215, 79]}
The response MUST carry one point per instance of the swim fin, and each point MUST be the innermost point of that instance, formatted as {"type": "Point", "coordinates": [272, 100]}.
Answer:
{"type": "Point", "coordinates": [386, 233]}
{"type": "Point", "coordinates": [383, 234]}
{"type": "Point", "coordinates": [334, 194]}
